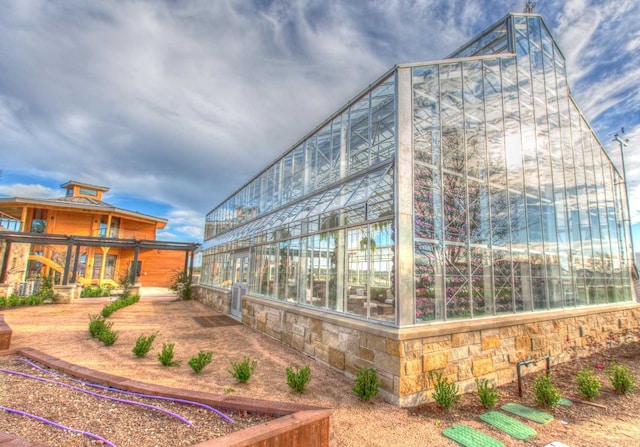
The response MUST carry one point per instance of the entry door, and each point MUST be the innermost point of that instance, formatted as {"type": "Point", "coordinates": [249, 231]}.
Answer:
{"type": "Point", "coordinates": [240, 282]}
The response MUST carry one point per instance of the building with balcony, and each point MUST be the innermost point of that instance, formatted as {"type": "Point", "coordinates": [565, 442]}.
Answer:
{"type": "Point", "coordinates": [458, 216]}
{"type": "Point", "coordinates": [79, 238]}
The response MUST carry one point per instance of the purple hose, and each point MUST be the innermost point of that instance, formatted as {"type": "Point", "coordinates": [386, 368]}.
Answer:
{"type": "Point", "coordinates": [55, 424]}
{"type": "Point", "coordinates": [131, 393]}
{"type": "Point", "coordinates": [124, 401]}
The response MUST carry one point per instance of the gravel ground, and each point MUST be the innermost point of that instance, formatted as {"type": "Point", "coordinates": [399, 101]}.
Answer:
{"type": "Point", "coordinates": [61, 330]}
{"type": "Point", "coordinates": [124, 425]}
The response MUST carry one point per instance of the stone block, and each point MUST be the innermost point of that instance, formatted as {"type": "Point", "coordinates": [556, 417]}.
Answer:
{"type": "Point", "coordinates": [309, 349]}
{"type": "Point", "coordinates": [464, 369]}
{"type": "Point", "coordinates": [348, 342]}
{"type": "Point", "coordinates": [322, 353]}
{"type": "Point", "coordinates": [435, 360]}
{"type": "Point", "coordinates": [366, 354]}
{"type": "Point", "coordinates": [386, 362]}
{"type": "Point", "coordinates": [482, 367]}
{"type": "Point", "coordinates": [298, 329]}
{"type": "Point", "coordinates": [336, 358]}
{"type": "Point", "coordinates": [394, 348]}
{"type": "Point", "coordinates": [297, 342]}
{"type": "Point", "coordinates": [315, 326]}
{"type": "Point", "coordinates": [386, 381]}
{"type": "Point", "coordinates": [509, 331]}
{"type": "Point", "coordinates": [459, 353]}
{"type": "Point", "coordinates": [517, 356]}
{"type": "Point", "coordinates": [413, 367]}
{"type": "Point", "coordinates": [376, 343]}
{"type": "Point", "coordinates": [523, 343]}
{"type": "Point", "coordinates": [412, 346]}
{"type": "Point", "coordinates": [539, 342]}
{"type": "Point", "coordinates": [465, 338]}
{"type": "Point", "coordinates": [490, 342]}
{"type": "Point", "coordinates": [330, 338]}
{"type": "Point", "coordinates": [436, 346]}
{"type": "Point", "coordinates": [413, 384]}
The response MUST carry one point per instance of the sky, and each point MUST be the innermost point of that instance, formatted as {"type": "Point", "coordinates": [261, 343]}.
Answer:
{"type": "Point", "coordinates": [174, 105]}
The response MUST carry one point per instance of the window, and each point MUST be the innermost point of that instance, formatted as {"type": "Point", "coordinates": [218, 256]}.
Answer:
{"type": "Point", "coordinates": [39, 221]}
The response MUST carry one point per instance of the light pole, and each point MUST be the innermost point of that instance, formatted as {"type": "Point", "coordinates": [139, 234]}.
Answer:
{"type": "Point", "coordinates": [623, 142]}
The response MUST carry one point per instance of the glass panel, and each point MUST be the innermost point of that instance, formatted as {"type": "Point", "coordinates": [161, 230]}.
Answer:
{"type": "Point", "coordinates": [493, 41]}
{"type": "Point", "coordinates": [383, 121]}
{"type": "Point", "coordinates": [324, 157]}
{"type": "Point", "coordinates": [457, 286]}
{"type": "Point", "coordinates": [359, 136]}
{"type": "Point", "coordinates": [427, 281]}
{"type": "Point", "coordinates": [426, 115]}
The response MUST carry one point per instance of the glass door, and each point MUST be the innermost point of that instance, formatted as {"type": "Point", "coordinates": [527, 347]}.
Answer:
{"type": "Point", "coordinates": [240, 281]}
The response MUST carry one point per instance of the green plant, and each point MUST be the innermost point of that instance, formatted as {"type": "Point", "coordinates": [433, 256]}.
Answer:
{"type": "Point", "coordinates": [366, 386]}
{"type": "Point", "coordinates": [588, 384]}
{"type": "Point", "coordinates": [242, 371]}
{"type": "Point", "coordinates": [144, 345]}
{"type": "Point", "coordinates": [46, 291]}
{"type": "Point", "coordinates": [181, 284]}
{"type": "Point", "coordinates": [198, 362]}
{"type": "Point", "coordinates": [299, 378]}
{"type": "Point", "coordinates": [94, 291]}
{"type": "Point", "coordinates": [622, 380]}
{"type": "Point", "coordinates": [446, 393]}
{"type": "Point", "coordinates": [228, 390]}
{"type": "Point", "coordinates": [121, 302]}
{"type": "Point", "coordinates": [97, 325]}
{"type": "Point", "coordinates": [487, 393]}
{"type": "Point", "coordinates": [545, 393]}
{"type": "Point", "coordinates": [108, 337]}
{"type": "Point", "coordinates": [166, 355]}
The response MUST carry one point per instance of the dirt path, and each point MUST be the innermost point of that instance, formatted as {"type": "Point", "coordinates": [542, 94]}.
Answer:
{"type": "Point", "coordinates": [61, 330]}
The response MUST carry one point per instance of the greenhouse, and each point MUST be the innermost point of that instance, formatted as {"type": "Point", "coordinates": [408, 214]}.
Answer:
{"type": "Point", "coordinates": [468, 188]}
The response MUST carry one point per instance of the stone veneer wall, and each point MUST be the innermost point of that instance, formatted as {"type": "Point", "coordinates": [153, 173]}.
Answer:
{"type": "Point", "coordinates": [464, 350]}
{"type": "Point", "coordinates": [217, 299]}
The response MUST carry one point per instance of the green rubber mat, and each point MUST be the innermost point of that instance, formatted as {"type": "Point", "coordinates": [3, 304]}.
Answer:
{"type": "Point", "coordinates": [508, 425]}
{"type": "Point", "coordinates": [529, 413]}
{"type": "Point", "coordinates": [565, 402]}
{"type": "Point", "coordinates": [470, 437]}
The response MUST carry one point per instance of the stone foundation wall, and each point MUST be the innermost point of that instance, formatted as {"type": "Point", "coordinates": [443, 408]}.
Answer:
{"type": "Point", "coordinates": [217, 299]}
{"type": "Point", "coordinates": [463, 351]}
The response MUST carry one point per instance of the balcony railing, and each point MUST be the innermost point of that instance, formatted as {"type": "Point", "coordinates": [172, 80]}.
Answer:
{"type": "Point", "coordinates": [116, 233]}
{"type": "Point", "coordinates": [9, 223]}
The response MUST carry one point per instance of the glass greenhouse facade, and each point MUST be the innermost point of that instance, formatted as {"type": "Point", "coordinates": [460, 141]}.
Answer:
{"type": "Point", "coordinates": [455, 189]}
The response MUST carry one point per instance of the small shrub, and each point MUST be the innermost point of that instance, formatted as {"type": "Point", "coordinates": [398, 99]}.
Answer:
{"type": "Point", "coordinates": [166, 355]}
{"type": "Point", "coordinates": [622, 380]}
{"type": "Point", "coordinates": [446, 393]}
{"type": "Point", "coordinates": [46, 292]}
{"type": "Point", "coordinates": [588, 384]}
{"type": "Point", "coordinates": [108, 337]}
{"type": "Point", "coordinates": [487, 393]}
{"type": "Point", "coordinates": [367, 386]}
{"type": "Point", "coordinates": [97, 325]}
{"type": "Point", "coordinates": [545, 393]}
{"type": "Point", "coordinates": [181, 284]}
{"type": "Point", "coordinates": [198, 362]}
{"type": "Point", "coordinates": [121, 302]}
{"type": "Point", "coordinates": [94, 291]}
{"type": "Point", "coordinates": [242, 371]}
{"type": "Point", "coordinates": [299, 378]}
{"type": "Point", "coordinates": [144, 345]}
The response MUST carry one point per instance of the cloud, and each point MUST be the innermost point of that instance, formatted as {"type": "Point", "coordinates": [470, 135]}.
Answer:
{"type": "Point", "coordinates": [28, 191]}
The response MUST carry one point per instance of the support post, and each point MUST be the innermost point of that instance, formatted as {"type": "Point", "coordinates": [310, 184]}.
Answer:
{"type": "Point", "coordinates": [67, 261]}
{"type": "Point", "coordinates": [134, 264]}
{"type": "Point", "coordinates": [5, 261]}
